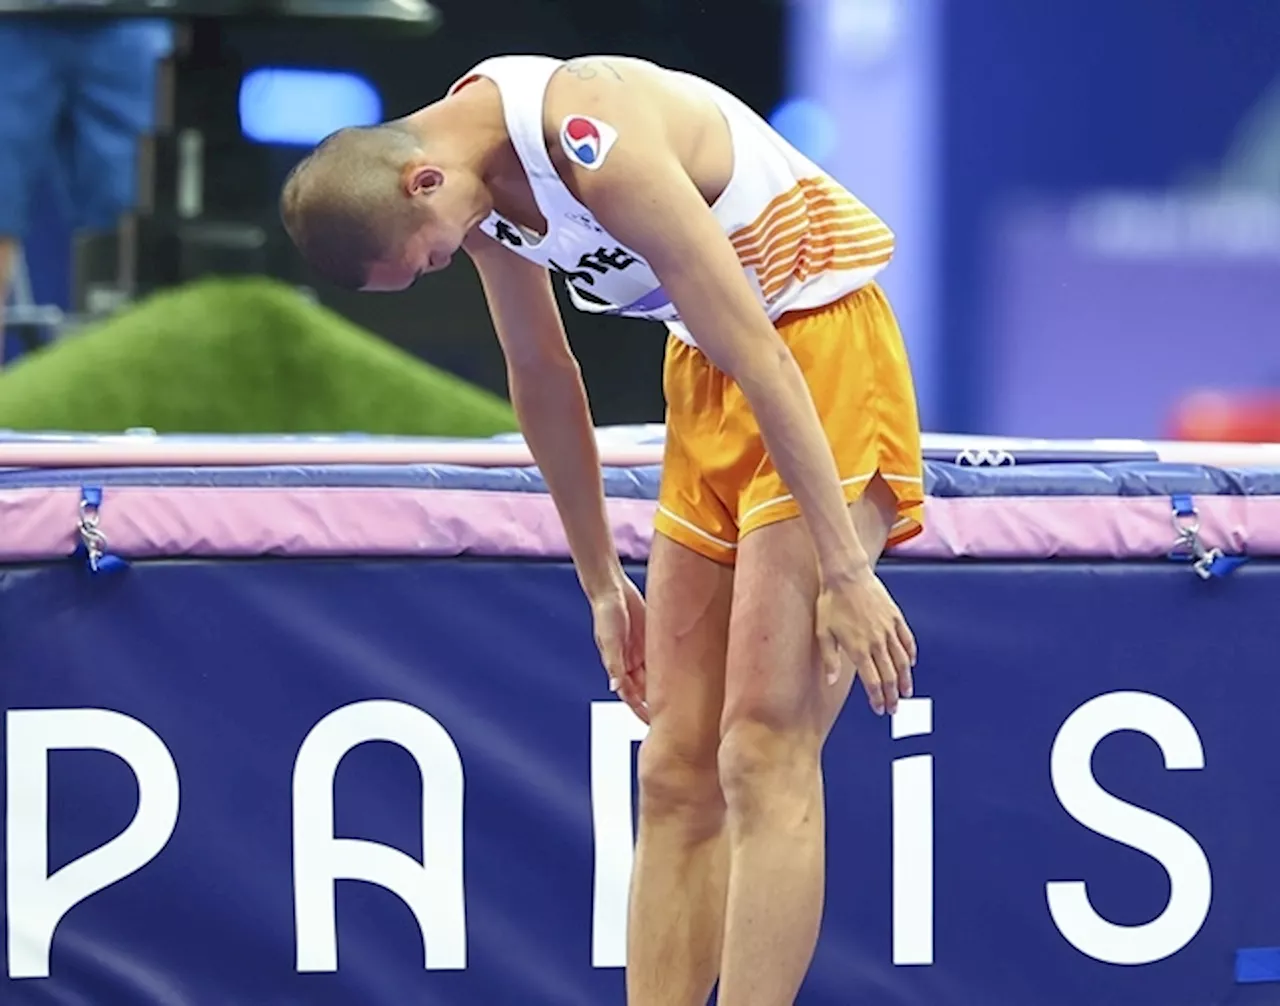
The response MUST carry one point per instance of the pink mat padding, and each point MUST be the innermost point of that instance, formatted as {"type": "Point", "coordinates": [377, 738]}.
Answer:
{"type": "Point", "coordinates": [153, 522]}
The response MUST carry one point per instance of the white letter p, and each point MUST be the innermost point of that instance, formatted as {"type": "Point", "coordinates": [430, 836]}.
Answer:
{"type": "Point", "coordinates": [37, 902]}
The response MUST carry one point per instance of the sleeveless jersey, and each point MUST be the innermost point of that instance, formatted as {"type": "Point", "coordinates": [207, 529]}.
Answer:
{"type": "Point", "coordinates": [803, 240]}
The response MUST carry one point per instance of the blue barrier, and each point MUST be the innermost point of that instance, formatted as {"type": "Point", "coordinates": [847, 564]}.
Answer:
{"type": "Point", "coordinates": [230, 691]}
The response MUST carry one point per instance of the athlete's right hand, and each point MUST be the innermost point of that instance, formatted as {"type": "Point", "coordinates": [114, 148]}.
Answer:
{"type": "Point", "coordinates": [619, 631]}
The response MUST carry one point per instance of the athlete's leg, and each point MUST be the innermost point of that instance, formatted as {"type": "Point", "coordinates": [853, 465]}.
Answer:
{"type": "Point", "coordinates": [678, 884]}
{"type": "Point", "coordinates": [778, 712]}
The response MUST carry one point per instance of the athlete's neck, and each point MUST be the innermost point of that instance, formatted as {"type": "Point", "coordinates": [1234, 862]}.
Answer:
{"type": "Point", "coordinates": [467, 132]}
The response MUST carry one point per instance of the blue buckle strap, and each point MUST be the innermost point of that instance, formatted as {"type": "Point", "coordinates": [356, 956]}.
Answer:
{"type": "Point", "coordinates": [1208, 563]}
{"type": "Point", "coordinates": [93, 542]}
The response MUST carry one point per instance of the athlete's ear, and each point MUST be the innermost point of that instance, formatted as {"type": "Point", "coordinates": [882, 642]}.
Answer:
{"type": "Point", "coordinates": [422, 179]}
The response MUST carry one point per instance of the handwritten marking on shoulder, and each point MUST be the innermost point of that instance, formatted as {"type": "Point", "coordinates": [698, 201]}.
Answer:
{"type": "Point", "coordinates": [590, 69]}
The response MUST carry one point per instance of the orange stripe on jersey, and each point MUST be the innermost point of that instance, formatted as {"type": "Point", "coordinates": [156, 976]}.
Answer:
{"type": "Point", "coordinates": [787, 228]}
{"type": "Point", "coordinates": [842, 259]}
{"type": "Point", "coordinates": [805, 197]}
{"type": "Point", "coordinates": [777, 207]}
{"type": "Point", "coordinates": [818, 234]}
{"type": "Point", "coordinates": [795, 221]}
{"type": "Point", "coordinates": [819, 250]}
{"type": "Point", "coordinates": [814, 227]}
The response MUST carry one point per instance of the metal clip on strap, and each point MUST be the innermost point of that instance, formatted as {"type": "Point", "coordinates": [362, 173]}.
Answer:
{"type": "Point", "coordinates": [93, 542]}
{"type": "Point", "coordinates": [1208, 563]}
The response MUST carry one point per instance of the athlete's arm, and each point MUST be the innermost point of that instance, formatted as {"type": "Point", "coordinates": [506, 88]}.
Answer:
{"type": "Point", "coordinates": [550, 401]}
{"type": "Point", "coordinates": [644, 197]}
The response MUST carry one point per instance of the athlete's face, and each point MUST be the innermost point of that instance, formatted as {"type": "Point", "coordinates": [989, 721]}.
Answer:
{"type": "Point", "coordinates": [426, 250]}
{"type": "Point", "coordinates": [443, 210]}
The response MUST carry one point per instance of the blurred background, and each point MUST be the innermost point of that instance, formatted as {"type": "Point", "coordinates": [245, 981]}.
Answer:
{"type": "Point", "coordinates": [1086, 194]}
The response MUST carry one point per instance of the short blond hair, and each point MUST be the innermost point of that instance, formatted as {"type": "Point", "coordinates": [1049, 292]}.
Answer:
{"type": "Point", "coordinates": [343, 204]}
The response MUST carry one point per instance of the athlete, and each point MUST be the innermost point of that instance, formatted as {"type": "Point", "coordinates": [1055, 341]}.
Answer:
{"type": "Point", "coordinates": [792, 455]}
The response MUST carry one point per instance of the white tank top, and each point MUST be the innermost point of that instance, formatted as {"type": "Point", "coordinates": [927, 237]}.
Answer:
{"type": "Point", "coordinates": [803, 240]}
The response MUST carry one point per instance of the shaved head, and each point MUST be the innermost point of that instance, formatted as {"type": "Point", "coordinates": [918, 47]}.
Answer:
{"type": "Point", "coordinates": [346, 205]}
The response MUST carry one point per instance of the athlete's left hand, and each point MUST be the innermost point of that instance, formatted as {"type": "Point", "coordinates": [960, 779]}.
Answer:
{"type": "Point", "coordinates": [619, 630]}
{"type": "Point", "coordinates": [858, 622]}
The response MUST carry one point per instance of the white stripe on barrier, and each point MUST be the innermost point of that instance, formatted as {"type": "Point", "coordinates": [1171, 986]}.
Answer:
{"type": "Point", "coordinates": [140, 451]}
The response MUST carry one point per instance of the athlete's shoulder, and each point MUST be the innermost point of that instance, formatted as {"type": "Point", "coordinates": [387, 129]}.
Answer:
{"type": "Point", "coordinates": [592, 102]}
{"type": "Point", "coordinates": [631, 90]}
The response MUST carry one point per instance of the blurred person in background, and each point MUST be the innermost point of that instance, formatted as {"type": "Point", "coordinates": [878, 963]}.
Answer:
{"type": "Point", "coordinates": [76, 93]}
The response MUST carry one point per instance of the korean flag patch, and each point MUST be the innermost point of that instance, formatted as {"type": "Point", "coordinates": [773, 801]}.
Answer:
{"type": "Point", "coordinates": [587, 141]}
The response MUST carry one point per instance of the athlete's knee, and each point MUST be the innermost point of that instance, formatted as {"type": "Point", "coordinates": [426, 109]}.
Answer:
{"type": "Point", "coordinates": [766, 769]}
{"type": "Point", "coordinates": [678, 779]}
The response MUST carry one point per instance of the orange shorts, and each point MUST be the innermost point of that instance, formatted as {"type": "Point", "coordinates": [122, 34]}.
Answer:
{"type": "Point", "coordinates": [718, 483]}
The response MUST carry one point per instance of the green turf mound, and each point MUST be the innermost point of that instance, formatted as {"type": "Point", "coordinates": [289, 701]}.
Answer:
{"type": "Point", "coordinates": [240, 356]}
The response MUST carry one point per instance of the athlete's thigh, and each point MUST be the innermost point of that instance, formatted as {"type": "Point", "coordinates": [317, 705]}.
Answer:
{"type": "Point", "coordinates": [686, 634]}
{"type": "Point", "coordinates": [773, 676]}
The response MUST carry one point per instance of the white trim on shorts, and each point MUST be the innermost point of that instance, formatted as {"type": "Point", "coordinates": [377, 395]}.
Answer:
{"type": "Point", "coordinates": [852, 480]}
{"type": "Point", "coordinates": [690, 526]}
